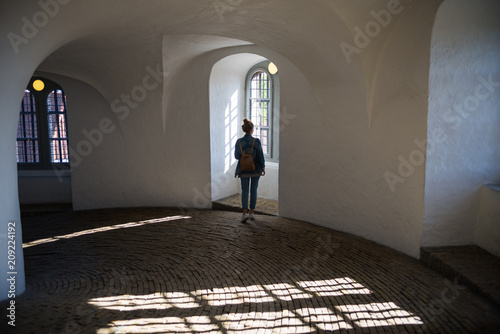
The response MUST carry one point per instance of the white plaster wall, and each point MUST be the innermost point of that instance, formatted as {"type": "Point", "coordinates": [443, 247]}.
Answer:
{"type": "Point", "coordinates": [464, 119]}
{"type": "Point", "coordinates": [16, 69]}
{"type": "Point", "coordinates": [341, 145]}
{"type": "Point", "coordinates": [350, 121]}
{"type": "Point", "coordinates": [98, 163]}
{"type": "Point", "coordinates": [487, 234]}
{"type": "Point", "coordinates": [187, 138]}
{"type": "Point", "coordinates": [9, 200]}
{"type": "Point", "coordinates": [269, 183]}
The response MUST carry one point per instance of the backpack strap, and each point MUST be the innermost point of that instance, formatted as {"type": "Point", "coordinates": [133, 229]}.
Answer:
{"type": "Point", "coordinates": [251, 150]}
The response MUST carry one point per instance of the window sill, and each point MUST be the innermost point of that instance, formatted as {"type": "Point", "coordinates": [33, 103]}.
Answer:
{"type": "Point", "coordinates": [41, 173]}
{"type": "Point", "coordinates": [39, 167]}
{"type": "Point", "coordinates": [272, 164]}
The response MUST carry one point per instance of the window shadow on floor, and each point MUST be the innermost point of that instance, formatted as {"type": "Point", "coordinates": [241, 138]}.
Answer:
{"type": "Point", "coordinates": [149, 271]}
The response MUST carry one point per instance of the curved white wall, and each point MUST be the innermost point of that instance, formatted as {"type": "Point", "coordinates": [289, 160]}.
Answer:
{"type": "Point", "coordinates": [343, 151]}
{"type": "Point", "coordinates": [144, 72]}
{"type": "Point", "coordinates": [464, 119]}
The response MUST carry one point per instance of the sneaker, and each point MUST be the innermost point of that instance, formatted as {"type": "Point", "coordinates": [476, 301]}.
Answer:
{"type": "Point", "coordinates": [251, 216]}
{"type": "Point", "coordinates": [245, 217]}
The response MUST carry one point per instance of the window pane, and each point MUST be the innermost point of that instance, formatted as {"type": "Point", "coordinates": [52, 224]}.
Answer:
{"type": "Point", "coordinates": [21, 155]}
{"type": "Point", "coordinates": [56, 118]}
{"type": "Point", "coordinates": [27, 133]}
{"type": "Point", "coordinates": [32, 151]}
{"type": "Point", "coordinates": [264, 109]}
{"type": "Point", "coordinates": [62, 126]}
{"type": "Point", "coordinates": [52, 122]}
{"type": "Point", "coordinates": [264, 139]}
{"type": "Point", "coordinates": [260, 108]}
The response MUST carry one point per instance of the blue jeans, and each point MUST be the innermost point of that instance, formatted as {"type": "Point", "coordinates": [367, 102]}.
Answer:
{"type": "Point", "coordinates": [245, 185]}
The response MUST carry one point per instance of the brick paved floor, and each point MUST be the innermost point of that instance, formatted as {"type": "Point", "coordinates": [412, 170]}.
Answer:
{"type": "Point", "coordinates": [266, 206]}
{"type": "Point", "coordinates": [155, 271]}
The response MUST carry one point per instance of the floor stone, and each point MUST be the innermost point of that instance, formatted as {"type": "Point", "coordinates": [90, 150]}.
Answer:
{"type": "Point", "coordinates": [233, 203]}
{"type": "Point", "coordinates": [470, 265]}
{"type": "Point", "coordinates": [159, 270]}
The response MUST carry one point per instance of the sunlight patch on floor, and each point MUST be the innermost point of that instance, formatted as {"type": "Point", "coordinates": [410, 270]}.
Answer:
{"type": "Point", "coordinates": [378, 314]}
{"type": "Point", "coordinates": [102, 229]}
{"type": "Point", "coordinates": [157, 301]}
{"type": "Point", "coordinates": [280, 307]}
{"type": "Point", "coordinates": [335, 287]}
{"type": "Point", "coordinates": [234, 295]}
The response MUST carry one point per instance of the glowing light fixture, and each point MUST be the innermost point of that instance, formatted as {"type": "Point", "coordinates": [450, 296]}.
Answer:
{"type": "Point", "coordinates": [272, 68]}
{"type": "Point", "coordinates": [38, 85]}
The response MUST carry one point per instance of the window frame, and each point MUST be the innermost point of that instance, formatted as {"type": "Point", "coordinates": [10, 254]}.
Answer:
{"type": "Point", "coordinates": [42, 112]}
{"type": "Point", "coordinates": [273, 138]}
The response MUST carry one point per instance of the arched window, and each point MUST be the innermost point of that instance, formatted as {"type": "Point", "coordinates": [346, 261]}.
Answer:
{"type": "Point", "coordinates": [42, 135]}
{"type": "Point", "coordinates": [261, 106]}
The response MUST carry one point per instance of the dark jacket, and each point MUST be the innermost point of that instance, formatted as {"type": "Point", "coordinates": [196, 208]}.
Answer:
{"type": "Point", "coordinates": [257, 154]}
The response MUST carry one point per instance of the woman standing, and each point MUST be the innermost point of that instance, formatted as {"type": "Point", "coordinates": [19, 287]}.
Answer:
{"type": "Point", "coordinates": [249, 179]}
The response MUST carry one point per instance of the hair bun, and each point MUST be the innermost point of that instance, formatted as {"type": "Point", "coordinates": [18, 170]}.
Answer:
{"type": "Point", "coordinates": [247, 125]}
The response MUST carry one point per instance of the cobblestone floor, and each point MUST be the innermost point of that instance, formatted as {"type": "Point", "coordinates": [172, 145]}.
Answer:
{"type": "Point", "coordinates": [156, 271]}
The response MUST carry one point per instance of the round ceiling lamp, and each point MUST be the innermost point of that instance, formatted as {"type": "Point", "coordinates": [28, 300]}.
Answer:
{"type": "Point", "coordinates": [38, 85]}
{"type": "Point", "coordinates": [272, 68]}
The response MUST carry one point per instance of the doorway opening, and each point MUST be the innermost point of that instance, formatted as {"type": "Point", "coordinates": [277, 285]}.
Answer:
{"type": "Point", "coordinates": [242, 86]}
{"type": "Point", "coordinates": [42, 150]}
